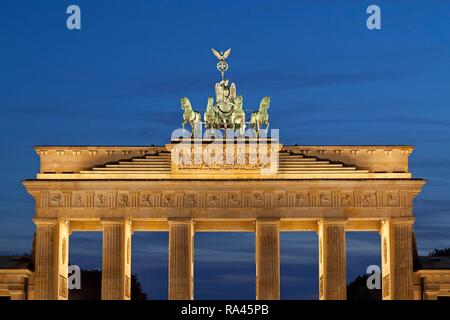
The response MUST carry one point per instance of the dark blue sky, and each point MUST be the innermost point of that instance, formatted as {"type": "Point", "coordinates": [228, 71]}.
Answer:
{"type": "Point", "coordinates": [332, 81]}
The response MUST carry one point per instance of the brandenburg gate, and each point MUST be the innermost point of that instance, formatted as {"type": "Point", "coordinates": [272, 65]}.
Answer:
{"type": "Point", "coordinates": [227, 184]}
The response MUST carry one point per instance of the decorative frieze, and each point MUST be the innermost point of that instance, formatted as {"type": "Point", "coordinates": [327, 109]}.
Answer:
{"type": "Point", "coordinates": [369, 199]}
{"type": "Point", "coordinates": [101, 199]}
{"type": "Point", "coordinates": [213, 200]}
{"type": "Point", "coordinates": [391, 199]}
{"type": "Point", "coordinates": [150, 199]}
{"type": "Point", "coordinates": [56, 199]}
{"type": "Point", "coordinates": [324, 199]}
{"type": "Point", "coordinates": [79, 200]}
{"type": "Point", "coordinates": [232, 199]}
{"type": "Point", "coordinates": [257, 200]}
{"type": "Point", "coordinates": [346, 199]}
{"type": "Point", "coordinates": [190, 200]}
{"type": "Point", "coordinates": [168, 199]}
{"type": "Point", "coordinates": [301, 199]}
{"type": "Point", "coordinates": [123, 199]}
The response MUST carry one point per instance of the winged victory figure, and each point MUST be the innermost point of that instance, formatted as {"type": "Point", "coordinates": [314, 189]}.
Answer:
{"type": "Point", "coordinates": [221, 55]}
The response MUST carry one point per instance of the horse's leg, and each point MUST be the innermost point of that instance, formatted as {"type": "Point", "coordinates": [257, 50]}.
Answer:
{"type": "Point", "coordinates": [199, 126]}
{"type": "Point", "coordinates": [252, 124]}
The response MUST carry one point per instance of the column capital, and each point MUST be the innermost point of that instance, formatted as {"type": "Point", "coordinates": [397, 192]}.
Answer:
{"type": "Point", "coordinates": [268, 220]}
{"type": "Point", "coordinates": [332, 221]}
{"type": "Point", "coordinates": [408, 220]}
{"type": "Point", "coordinates": [120, 221]}
{"type": "Point", "coordinates": [180, 221]}
{"type": "Point", "coordinates": [45, 221]}
{"type": "Point", "coordinates": [398, 221]}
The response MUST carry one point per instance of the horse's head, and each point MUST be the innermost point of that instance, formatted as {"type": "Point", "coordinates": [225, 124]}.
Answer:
{"type": "Point", "coordinates": [185, 104]}
{"type": "Point", "coordinates": [264, 105]}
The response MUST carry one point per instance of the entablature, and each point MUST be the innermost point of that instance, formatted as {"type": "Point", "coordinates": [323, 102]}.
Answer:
{"type": "Point", "coordinates": [228, 199]}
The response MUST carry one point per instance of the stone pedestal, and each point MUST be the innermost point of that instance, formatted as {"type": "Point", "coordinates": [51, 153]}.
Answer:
{"type": "Point", "coordinates": [332, 260]}
{"type": "Point", "coordinates": [52, 255]}
{"type": "Point", "coordinates": [116, 264]}
{"type": "Point", "coordinates": [181, 259]}
{"type": "Point", "coordinates": [268, 259]}
{"type": "Point", "coordinates": [397, 258]}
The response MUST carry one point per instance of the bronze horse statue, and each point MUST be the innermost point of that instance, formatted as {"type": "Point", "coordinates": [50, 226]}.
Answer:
{"type": "Point", "coordinates": [238, 116]}
{"type": "Point", "coordinates": [260, 117]}
{"type": "Point", "coordinates": [190, 116]}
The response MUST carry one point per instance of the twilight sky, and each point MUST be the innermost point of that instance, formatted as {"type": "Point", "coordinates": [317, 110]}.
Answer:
{"type": "Point", "coordinates": [118, 81]}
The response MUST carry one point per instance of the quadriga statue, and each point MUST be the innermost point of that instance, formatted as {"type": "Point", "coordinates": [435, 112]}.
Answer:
{"type": "Point", "coordinates": [227, 111]}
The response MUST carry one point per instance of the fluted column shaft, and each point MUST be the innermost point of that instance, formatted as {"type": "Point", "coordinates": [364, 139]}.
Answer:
{"type": "Point", "coordinates": [268, 259]}
{"type": "Point", "coordinates": [51, 262]}
{"type": "Point", "coordinates": [332, 260]}
{"type": "Point", "coordinates": [116, 262]}
{"type": "Point", "coordinates": [397, 258]}
{"type": "Point", "coordinates": [181, 259]}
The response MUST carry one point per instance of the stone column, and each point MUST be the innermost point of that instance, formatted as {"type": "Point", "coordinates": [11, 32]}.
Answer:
{"type": "Point", "coordinates": [332, 260]}
{"type": "Point", "coordinates": [52, 258]}
{"type": "Point", "coordinates": [181, 259]}
{"type": "Point", "coordinates": [116, 262]}
{"type": "Point", "coordinates": [397, 258]}
{"type": "Point", "coordinates": [268, 259]}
